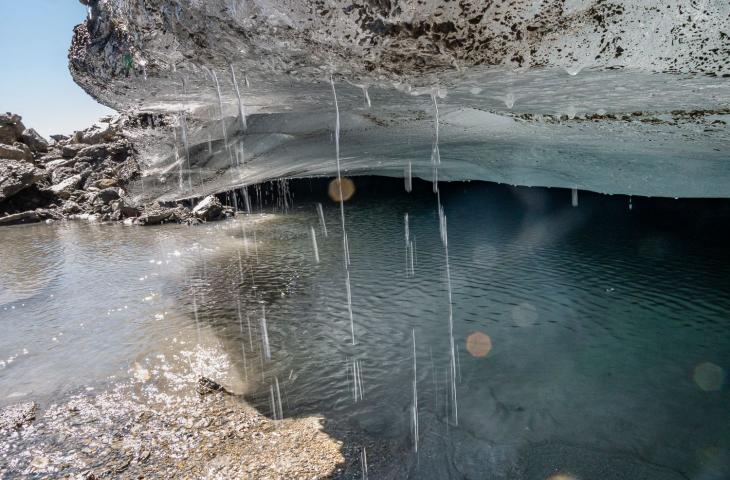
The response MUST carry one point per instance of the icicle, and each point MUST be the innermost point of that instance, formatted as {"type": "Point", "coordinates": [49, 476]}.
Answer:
{"type": "Point", "coordinates": [280, 410]}
{"type": "Point", "coordinates": [574, 197]}
{"type": "Point", "coordinates": [367, 96]}
{"type": "Point", "coordinates": [631, 206]}
{"type": "Point", "coordinates": [364, 463]}
{"type": "Point", "coordinates": [272, 402]}
{"type": "Point", "coordinates": [265, 334]}
{"type": "Point", "coordinates": [408, 177]}
{"type": "Point", "coordinates": [415, 396]}
{"type": "Point", "coordinates": [320, 211]}
{"type": "Point", "coordinates": [345, 247]}
{"type": "Point", "coordinates": [314, 245]}
{"type": "Point", "coordinates": [241, 111]}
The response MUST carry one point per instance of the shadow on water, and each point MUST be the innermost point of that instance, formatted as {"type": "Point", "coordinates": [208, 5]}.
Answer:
{"type": "Point", "coordinates": [591, 340]}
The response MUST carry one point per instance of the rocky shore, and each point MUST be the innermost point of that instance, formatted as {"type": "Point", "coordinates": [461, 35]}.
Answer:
{"type": "Point", "coordinates": [83, 176]}
{"type": "Point", "coordinates": [164, 424]}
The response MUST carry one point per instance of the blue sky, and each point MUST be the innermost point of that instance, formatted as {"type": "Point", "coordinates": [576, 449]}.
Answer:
{"type": "Point", "coordinates": [34, 78]}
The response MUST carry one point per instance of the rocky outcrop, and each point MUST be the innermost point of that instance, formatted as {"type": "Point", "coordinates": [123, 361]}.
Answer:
{"type": "Point", "coordinates": [16, 175]}
{"type": "Point", "coordinates": [40, 181]}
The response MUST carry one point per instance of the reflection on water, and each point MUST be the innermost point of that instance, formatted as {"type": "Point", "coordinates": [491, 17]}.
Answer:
{"type": "Point", "coordinates": [591, 341]}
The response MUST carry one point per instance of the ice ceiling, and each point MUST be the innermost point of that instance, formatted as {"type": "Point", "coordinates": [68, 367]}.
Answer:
{"type": "Point", "coordinates": [618, 96]}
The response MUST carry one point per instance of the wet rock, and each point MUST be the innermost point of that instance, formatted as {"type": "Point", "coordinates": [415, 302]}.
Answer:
{"type": "Point", "coordinates": [65, 188]}
{"type": "Point", "coordinates": [16, 175]}
{"type": "Point", "coordinates": [156, 214]}
{"type": "Point", "coordinates": [35, 141]}
{"type": "Point", "coordinates": [31, 216]}
{"type": "Point", "coordinates": [71, 150]}
{"type": "Point", "coordinates": [11, 128]}
{"type": "Point", "coordinates": [121, 209]}
{"type": "Point", "coordinates": [15, 152]}
{"type": "Point", "coordinates": [18, 416]}
{"type": "Point", "coordinates": [206, 386]}
{"type": "Point", "coordinates": [210, 208]}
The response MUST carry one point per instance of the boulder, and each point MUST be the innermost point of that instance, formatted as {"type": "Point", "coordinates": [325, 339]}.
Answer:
{"type": "Point", "coordinates": [108, 195]}
{"type": "Point", "coordinates": [15, 152]}
{"type": "Point", "coordinates": [65, 188]}
{"type": "Point", "coordinates": [35, 141]}
{"type": "Point", "coordinates": [11, 128]}
{"type": "Point", "coordinates": [70, 150]}
{"type": "Point", "coordinates": [93, 153]}
{"type": "Point", "coordinates": [16, 175]}
{"type": "Point", "coordinates": [59, 138]}
{"type": "Point", "coordinates": [210, 208]}
{"type": "Point", "coordinates": [99, 133]}
{"type": "Point", "coordinates": [122, 209]}
{"type": "Point", "coordinates": [59, 174]}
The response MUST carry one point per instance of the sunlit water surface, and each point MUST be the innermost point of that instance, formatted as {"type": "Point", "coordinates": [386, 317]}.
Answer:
{"type": "Point", "coordinates": [591, 342]}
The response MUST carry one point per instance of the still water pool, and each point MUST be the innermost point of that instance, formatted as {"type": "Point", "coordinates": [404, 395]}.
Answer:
{"type": "Point", "coordinates": [590, 342]}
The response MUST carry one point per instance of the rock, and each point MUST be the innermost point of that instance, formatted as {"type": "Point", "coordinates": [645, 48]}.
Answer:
{"type": "Point", "coordinates": [65, 188]}
{"type": "Point", "coordinates": [206, 386]}
{"type": "Point", "coordinates": [17, 416]}
{"type": "Point", "coordinates": [70, 207]}
{"type": "Point", "coordinates": [31, 216]}
{"type": "Point", "coordinates": [99, 133]}
{"type": "Point", "coordinates": [107, 195]}
{"type": "Point", "coordinates": [59, 174]}
{"type": "Point", "coordinates": [210, 208]}
{"type": "Point", "coordinates": [16, 175]}
{"type": "Point", "coordinates": [57, 163]}
{"type": "Point", "coordinates": [35, 141]}
{"type": "Point", "coordinates": [106, 183]}
{"type": "Point", "coordinates": [11, 128]}
{"type": "Point", "coordinates": [15, 152]}
{"type": "Point", "coordinates": [122, 209]}
{"type": "Point", "coordinates": [156, 214]}
{"type": "Point", "coordinates": [94, 153]}
{"type": "Point", "coordinates": [70, 150]}
{"type": "Point", "coordinates": [59, 138]}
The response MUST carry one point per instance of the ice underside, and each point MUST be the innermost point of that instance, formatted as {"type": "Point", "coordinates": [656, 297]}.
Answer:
{"type": "Point", "coordinates": [622, 97]}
